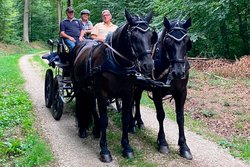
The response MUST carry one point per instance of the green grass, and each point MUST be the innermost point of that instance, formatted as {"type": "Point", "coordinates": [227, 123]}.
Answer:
{"type": "Point", "coordinates": [22, 48]}
{"type": "Point", "coordinates": [39, 60]}
{"type": "Point", "coordinates": [248, 82]}
{"type": "Point", "coordinates": [20, 144]}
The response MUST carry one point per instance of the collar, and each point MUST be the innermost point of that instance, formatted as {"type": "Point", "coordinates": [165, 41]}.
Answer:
{"type": "Point", "coordinates": [85, 22]}
{"type": "Point", "coordinates": [111, 24]}
{"type": "Point", "coordinates": [71, 20]}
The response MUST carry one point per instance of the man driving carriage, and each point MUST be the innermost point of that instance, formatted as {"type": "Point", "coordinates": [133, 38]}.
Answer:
{"type": "Point", "coordinates": [71, 29]}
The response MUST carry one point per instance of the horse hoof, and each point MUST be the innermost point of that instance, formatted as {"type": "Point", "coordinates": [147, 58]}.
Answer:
{"type": "Point", "coordinates": [82, 134]}
{"type": "Point", "coordinates": [106, 158]}
{"type": "Point", "coordinates": [186, 154]}
{"type": "Point", "coordinates": [164, 149]}
{"type": "Point", "coordinates": [129, 155]}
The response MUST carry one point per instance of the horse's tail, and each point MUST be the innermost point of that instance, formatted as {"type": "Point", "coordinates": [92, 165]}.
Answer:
{"type": "Point", "coordinates": [85, 105]}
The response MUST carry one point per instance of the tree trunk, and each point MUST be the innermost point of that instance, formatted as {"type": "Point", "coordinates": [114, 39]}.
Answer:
{"type": "Point", "coordinates": [59, 11]}
{"type": "Point", "coordinates": [70, 2]}
{"type": "Point", "coordinates": [26, 21]}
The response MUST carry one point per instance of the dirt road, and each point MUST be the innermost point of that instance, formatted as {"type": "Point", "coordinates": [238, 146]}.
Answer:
{"type": "Point", "coordinates": [72, 151]}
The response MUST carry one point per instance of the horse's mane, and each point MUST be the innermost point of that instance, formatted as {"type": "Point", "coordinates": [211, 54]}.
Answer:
{"type": "Point", "coordinates": [118, 33]}
{"type": "Point", "coordinates": [123, 28]}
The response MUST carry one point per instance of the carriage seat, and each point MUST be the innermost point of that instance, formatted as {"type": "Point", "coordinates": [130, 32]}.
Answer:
{"type": "Point", "coordinates": [56, 58]}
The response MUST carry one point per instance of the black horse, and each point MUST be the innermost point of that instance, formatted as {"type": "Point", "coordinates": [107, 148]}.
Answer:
{"type": "Point", "coordinates": [109, 70]}
{"type": "Point", "coordinates": [171, 67]}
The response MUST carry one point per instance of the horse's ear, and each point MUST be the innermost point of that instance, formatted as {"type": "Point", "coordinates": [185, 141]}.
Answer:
{"type": "Point", "coordinates": [154, 37]}
{"type": "Point", "coordinates": [128, 16]}
{"type": "Point", "coordinates": [189, 45]}
{"type": "Point", "coordinates": [166, 23]}
{"type": "Point", "coordinates": [149, 16]}
{"type": "Point", "coordinates": [188, 23]}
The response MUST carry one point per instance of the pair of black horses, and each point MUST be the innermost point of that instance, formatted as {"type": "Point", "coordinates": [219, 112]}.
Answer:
{"type": "Point", "coordinates": [111, 69]}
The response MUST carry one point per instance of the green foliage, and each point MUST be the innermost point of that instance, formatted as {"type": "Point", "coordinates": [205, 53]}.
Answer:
{"type": "Point", "coordinates": [219, 29]}
{"type": "Point", "coordinates": [209, 113]}
{"type": "Point", "coordinates": [116, 7]}
{"type": "Point", "coordinates": [44, 24]}
{"type": "Point", "coordinates": [9, 13]}
{"type": "Point", "coordinates": [19, 143]}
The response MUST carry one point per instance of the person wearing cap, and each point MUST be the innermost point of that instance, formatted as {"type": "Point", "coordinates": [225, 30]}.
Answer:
{"type": "Point", "coordinates": [71, 29]}
{"type": "Point", "coordinates": [101, 30]}
{"type": "Point", "coordinates": [86, 23]}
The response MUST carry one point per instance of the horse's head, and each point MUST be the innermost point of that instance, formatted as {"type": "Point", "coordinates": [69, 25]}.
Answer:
{"type": "Point", "coordinates": [176, 43]}
{"type": "Point", "coordinates": [136, 42]}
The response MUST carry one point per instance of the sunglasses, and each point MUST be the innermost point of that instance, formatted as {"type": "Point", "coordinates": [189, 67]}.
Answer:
{"type": "Point", "coordinates": [71, 12]}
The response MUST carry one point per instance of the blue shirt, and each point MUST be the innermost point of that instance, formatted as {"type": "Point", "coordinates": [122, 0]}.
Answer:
{"type": "Point", "coordinates": [72, 28]}
{"type": "Point", "coordinates": [87, 25]}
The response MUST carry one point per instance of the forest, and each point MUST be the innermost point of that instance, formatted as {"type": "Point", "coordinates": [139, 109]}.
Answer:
{"type": "Point", "coordinates": [220, 28]}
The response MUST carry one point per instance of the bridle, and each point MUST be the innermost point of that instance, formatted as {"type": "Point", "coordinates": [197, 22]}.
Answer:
{"type": "Point", "coordinates": [169, 34]}
{"type": "Point", "coordinates": [178, 39]}
{"type": "Point", "coordinates": [130, 29]}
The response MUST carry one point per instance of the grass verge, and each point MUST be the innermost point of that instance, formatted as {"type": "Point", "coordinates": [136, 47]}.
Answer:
{"type": "Point", "coordinates": [20, 143]}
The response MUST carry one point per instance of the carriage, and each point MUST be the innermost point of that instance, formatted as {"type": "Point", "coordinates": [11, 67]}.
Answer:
{"type": "Point", "coordinates": [58, 86]}
{"type": "Point", "coordinates": [111, 70]}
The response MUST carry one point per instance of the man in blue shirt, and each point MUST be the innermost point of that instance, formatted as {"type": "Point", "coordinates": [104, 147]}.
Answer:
{"type": "Point", "coordinates": [71, 29]}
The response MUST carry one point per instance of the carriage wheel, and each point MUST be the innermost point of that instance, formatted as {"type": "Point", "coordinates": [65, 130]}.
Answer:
{"type": "Point", "coordinates": [118, 103]}
{"type": "Point", "coordinates": [57, 103]}
{"type": "Point", "coordinates": [48, 88]}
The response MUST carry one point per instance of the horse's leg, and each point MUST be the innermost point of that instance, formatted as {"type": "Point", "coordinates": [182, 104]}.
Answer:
{"type": "Point", "coordinates": [136, 118]}
{"type": "Point", "coordinates": [179, 106]}
{"type": "Point", "coordinates": [96, 129]}
{"type": "Point", "coordinates": [102, 106]}
{"type": "Point", "coordinates": [161, 141]}
{"type": "Point", "coordinates": [83, 113]}
{"type": "Point", "coordinates": [126, 116]}
{"type": "Point", "coordinates": [131, 127]}
{"type": "Point", "coordinates": [138, 95]}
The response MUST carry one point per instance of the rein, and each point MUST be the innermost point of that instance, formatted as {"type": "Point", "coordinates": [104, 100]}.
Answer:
{"type": "Point", "coordinates": [129, 31]}
{"type": "Point", "coordinates": [119, 54]}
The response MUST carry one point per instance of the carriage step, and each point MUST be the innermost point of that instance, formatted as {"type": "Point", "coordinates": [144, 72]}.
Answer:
{"type": "Point", "coordinates": [61, 65]}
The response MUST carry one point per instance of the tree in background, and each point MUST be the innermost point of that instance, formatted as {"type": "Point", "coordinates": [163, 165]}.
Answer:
{"type": "Point", "coordinates": [9, 18]}
{"type": "Point", "coordinates": [26, 21]}
{"type": "Point", "coordinates": [59, 11]}
{"type": "Point", "coordinates": [221, 28]}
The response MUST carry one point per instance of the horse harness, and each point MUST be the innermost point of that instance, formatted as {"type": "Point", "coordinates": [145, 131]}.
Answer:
{"type": "Point", "coordinates": [166, 72]}
{"type": "Point", "coordinates": [111, 64]}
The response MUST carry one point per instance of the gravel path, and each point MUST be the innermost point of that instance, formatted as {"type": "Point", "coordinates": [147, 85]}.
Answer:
{"type": "Point", "coordinates": [69, 149]}
{"type": "Point", "coordinates": [72, 151]}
